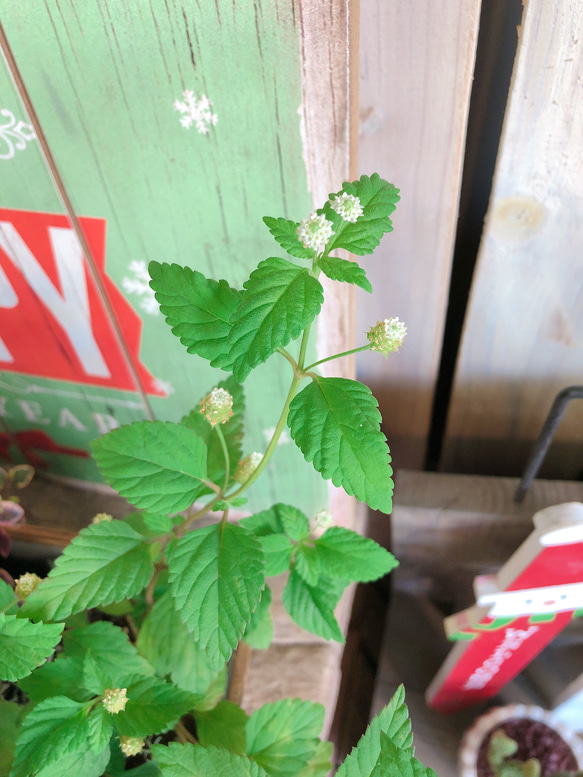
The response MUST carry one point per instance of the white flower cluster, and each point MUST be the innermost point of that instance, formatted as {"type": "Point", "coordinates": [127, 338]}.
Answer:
{"type": "Point", "coordinates": [115, 700]}
{"type": "Point", "coordinates": [131, 745]}
{"type": "Point", "coordinates": [247, 466]}
{"type": "Point", "coordinates": [387, 336]}
{"type": "Point", "coordinates": [26, 584]}
{"type": "Point", "coordinates": [315, 231]}
{"type": "Point", "coordinates": [217, 407]}
{"type": "Point", "coordinates": [347, 206]}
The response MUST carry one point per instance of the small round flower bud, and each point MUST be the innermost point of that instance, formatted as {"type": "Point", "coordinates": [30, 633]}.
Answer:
{"type": "Point", "coordinates": [115, 699]}
{"type": "Point", "coordinates": [102, 518]}
{"type": "Point", "coordinates": [26, 584]}
{"type": "Point", "coordinates": [347, 206]}
{"type": "Point", "coordinates": [217, 407]}
{"type": "Point", "coordinates": [247, 466]}
{"type": "Point", "coordinates": [131, 745]}
{"type": "Point", "coordinates": [323, 519]}
{"type": "Point", "coordinates": [387, 336]}
{"type": "Point", "coordinates": [315, 231]}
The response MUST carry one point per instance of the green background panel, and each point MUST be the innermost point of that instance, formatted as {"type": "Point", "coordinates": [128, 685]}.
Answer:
{"type": "Point", "coordinates": [104, 78]}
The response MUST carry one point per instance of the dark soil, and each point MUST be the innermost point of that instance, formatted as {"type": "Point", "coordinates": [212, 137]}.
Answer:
{"type": "Point", "coordinates": [535, 740]}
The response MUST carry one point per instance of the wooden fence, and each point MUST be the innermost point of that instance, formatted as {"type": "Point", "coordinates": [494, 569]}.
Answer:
{"type": "Point", "coordinates": [110, 156]}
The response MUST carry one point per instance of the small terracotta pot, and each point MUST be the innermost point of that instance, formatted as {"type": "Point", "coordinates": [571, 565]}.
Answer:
{"type": "Point", "coordinates": [536, 725]}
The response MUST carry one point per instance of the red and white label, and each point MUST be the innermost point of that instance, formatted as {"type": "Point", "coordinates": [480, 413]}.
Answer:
{"type": "Point", "coordinates": [53, 321]}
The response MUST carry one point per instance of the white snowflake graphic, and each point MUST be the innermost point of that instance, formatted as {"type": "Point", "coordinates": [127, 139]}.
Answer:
{"type": "Point", "coordinates": [164, 385]}
{"type": "Point", "coordinates": [140, 286]}
{"type": "Point", "coordinates": [195, 111]}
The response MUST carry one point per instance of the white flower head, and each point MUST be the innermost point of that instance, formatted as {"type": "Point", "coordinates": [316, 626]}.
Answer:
{"type": "Point", "coordinates": [102, 518]}
{"type": "Point", "coordinates": [217, 407]}
{"type": "Point", "coordinates": [347, 206]}
{"type": "Point", "coordinates": [26, 584]}
{"type": "Point", "coordinates": [323, 519]}
{"type": "Point", "coordinates": [315, 231]}
{"type": "Point", "coordinates": [131, 745]}
{"type": "Point", "coordinates": [387, 335]}
{"type": "Point", "coordinates": [247, 466]}
{"type": "Point", "coordinates": [115, 700]}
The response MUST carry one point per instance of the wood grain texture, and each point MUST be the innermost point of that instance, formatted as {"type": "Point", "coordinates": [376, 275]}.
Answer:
{"type": "Point", "coordinates": [522, 341]}
{"type": "Point", "coordinates": [169, 193]}
{"type": "Point", "coordinates": [416, 73]}
{"type": "Point", "coordinates": [446, 529]}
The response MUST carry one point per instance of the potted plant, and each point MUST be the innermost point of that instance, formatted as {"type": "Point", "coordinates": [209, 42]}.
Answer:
{"type": "Point", "coordinates": [520, 740]}
{"type": "Point", "coordinates": [123, 650]}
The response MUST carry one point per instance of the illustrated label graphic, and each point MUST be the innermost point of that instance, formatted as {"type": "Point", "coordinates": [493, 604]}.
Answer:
{"type": "Point", "coordinates": [53, 320]}
{"type": "Point", "coordinates": [518, 612]}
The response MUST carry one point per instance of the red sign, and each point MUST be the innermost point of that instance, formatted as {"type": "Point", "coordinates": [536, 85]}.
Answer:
{"type": "Point", "coordinates": [519, 611]}
{"type": "Point", "coordinates": [53, 320]}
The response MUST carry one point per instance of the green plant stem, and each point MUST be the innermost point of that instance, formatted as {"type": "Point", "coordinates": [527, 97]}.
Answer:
{"type": "Point", "coordinates": [221, 437]}
{"type": "Point", "coordinates": [293, 390]}
{"type": "Point", "coordinates": [338, 356]}
{"type": "Point", "coordinates": [180, 531]}
{"type": "Point", "coordinates": [289, 357]}
{"type": "Point", "coordinates": [149, 595]}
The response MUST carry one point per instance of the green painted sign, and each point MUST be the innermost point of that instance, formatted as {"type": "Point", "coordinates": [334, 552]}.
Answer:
{"type": "Point", "coordinates": [175, 129]}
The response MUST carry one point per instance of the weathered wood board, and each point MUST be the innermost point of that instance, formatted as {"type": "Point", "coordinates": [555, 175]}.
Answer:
{"type": "Point", "coordinates": [139, 174]}
{"type": "Point", "coordinates": [416, 73]}
{"type": "Point", "coordinates": [522, 340]}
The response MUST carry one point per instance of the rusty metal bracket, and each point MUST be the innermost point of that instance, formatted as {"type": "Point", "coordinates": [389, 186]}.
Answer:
{"type": "Point", "coordinates": [545, 438]}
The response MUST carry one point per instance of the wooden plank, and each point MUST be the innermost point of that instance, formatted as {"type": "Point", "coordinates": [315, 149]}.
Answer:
{"type": "Point", "coordinates": [446, 529]}
{"type": "Point", "coordinates": [522, 338]}
{"type": "Point", "coordinates": [416, 73]}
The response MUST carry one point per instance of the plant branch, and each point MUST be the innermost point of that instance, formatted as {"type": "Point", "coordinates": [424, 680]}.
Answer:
{"type": "Point", "coordinates": [221, 437]}
{"type": "Point", "coordinates": [338, 356]}
{"type": "Point", "coordinates": [184, 734]}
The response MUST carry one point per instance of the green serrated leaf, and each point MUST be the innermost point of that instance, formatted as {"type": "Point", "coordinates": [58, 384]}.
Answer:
{"type": "Point", "coordinates": [378, 199]}
{"type": "Point", "coordinates": [105, 563]}
{"type": "Point", "coordinates": [336, 424]}
{"type": "Point", "coordinates": [84, 763]}
{"type": "Point", "coordinates": [25, 645]}
{"type": "Point", "coordinates": [222, 504]}
{"type": "Point", "coordinates": [286, 234]}
{"type": "Point", "coordinates": [347, 555]}
{"type": "Point", "coordinates": [223, 726]}
{"type": "Point", "coordinates": [7, 595]}
{"type": "Point", "coordinates": [283, 736]}
{"type": "Point", "coordinates": [394, 721]}
{"type": "Point", "coordinates": [307, 563]}
{"type": "Point", "coordinates": [265, 522]}
{"type": "Point", "coordinates": [295, 523]}
{"type": "Point", "coordinates": [232, 432]}
{"type": "Point", "coordinates": [194, 761]}
{"type": "Point", "coordinates": [149, 524]}
{"type": "Point", "coordinates": [198, 309]}
{"type": "Point", "coordinates": [320, 764]}
{"type": "Point", "coordinates": [259, 631]}
{"type": "Point", "coordinates": [63, 677]}
{"type": "Point", "coordinates": [157, 466]}
{"type": "Point", "coordinates": [312, 607]}
{"type": "Point", "coordinates": [216, 577]}
{"type": "Point", "coordinates": [109, 648]}
{"type": "Point", "coordinates": [100, 728]}
{"type": "Point", "coordinates": [153, 706]}
{"type": "Point", "coordinates": [277, 549]}
{"type": "Point", "coordinates": [279, 301]}
{"type": "Point", "coordinates": [53, 729]}
{"type": "Point", "coordinates": [11, 717]}
{"type": "Point", "coordinates": [342, 270]}
{"type": "Point", "coordinates": [171, 649]}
